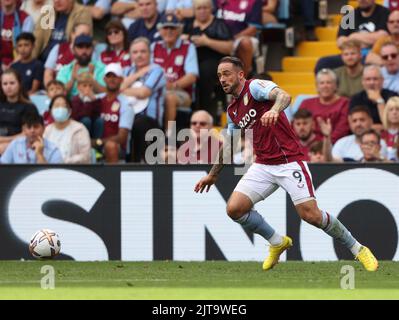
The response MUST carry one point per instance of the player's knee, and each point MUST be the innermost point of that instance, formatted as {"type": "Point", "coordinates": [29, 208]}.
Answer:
{"type": "Point", "coordinates": [234, 211]}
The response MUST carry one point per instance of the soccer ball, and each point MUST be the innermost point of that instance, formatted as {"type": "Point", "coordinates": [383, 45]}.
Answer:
{"type": "Point", "coordinates": [45, 244]}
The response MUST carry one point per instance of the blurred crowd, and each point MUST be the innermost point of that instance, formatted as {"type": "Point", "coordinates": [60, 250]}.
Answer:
{"type": "Point", "coordinates": [84, 81]}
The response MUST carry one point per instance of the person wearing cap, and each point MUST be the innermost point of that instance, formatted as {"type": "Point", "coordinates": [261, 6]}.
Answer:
{"type": "Point", "coordinates": [146, 25]}
{"type": "Point", "coordinates": [62, 54]}
{"type": "Point", "coordinates": [178, 58]}
{"type": "Point", "coordinates": [67, 14]}
{"type": "Point", "coordinates": [144, 80]}
{"type": "Point", "coordinates": [118, 116]}
{"type": "Point", "coordinates": [83, 50]}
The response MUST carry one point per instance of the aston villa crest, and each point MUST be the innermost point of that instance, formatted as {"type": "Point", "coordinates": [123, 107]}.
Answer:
{"type": "Point", "coordinates": [246, 99]}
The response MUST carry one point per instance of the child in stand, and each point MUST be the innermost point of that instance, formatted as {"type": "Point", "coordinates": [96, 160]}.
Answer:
{"type": "Point", "coordinates": [86, 108]}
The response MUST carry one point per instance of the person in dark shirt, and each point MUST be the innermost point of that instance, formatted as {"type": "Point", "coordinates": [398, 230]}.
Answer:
{"type": "Point", "coordinates": [31, 70]}
{"type": "Point", "coordinates": [213, 40]}
{"type": "Point", "coordinates": [373, 96]}
{"type": "Point", "coordinates": [146, 26]}
{"type": "Point", "coordinates": [370, 24]}
{"type": "Point", "coordinates": [13, 105]}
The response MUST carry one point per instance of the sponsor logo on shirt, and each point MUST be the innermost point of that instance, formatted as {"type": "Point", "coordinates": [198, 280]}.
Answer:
{"type": "Point", "coordinates": [28, 72]}
{"type": "Point", "coordinates": [246, 119]}
{"type": "Point", "coordinates": [232, 16]}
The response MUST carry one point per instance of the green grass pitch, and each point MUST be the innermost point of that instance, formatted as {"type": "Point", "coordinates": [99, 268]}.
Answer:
{"type": "Point", "coordinates": [195, 280]}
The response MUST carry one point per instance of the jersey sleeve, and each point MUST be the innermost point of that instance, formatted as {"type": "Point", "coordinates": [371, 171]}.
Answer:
{"type": "Point", "coordinates": [260, 89]}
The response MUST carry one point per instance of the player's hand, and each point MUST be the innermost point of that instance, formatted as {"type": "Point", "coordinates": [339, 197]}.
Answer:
{"type": "Point", "coordinates": [205, 182]}
{"type": "Point", "coordinates": [269, 118]}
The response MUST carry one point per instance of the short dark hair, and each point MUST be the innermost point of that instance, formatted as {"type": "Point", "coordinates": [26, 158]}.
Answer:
{"type": "Point", "coordinates": [233, 60]}
{"type": "Point", "coordinates": [56, 83]}
{"type": "Point", "coordinates": [26, 36]}
{"type": "Point", "coordinates": [303, 114]}
{"type": "Point", "coordinates": [30, 118]}
{"type": "Point", "coordinates": [316, 147]}
{"type": "Point", "coordinates": [373, 132]}
{"type": "Point", "coordinates": [68, 103]}
{"type": "Point", "coordinates": [364, 109]}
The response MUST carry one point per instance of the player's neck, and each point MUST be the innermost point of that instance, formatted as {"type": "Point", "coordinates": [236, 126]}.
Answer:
{"type": "Point", "coordinates": [111, 95]}
{"type": "Point", "coordinates": [239, 89]}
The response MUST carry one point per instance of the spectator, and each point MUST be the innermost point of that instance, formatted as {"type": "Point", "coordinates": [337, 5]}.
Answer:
{"type": "Point", "coordinates": [118, 115]}
{"type": "Point", "coordinates": [390, 69]}
{"type": "Point", "coordinates": [13, 21]}
{"type": "Point", "coordinates": [349, 76]}
{"type": "Point", "coordinates": [54, 88]}
{"type": "Point", "coordinates": [306, 10]}
{"type": "Point", "coordinates": [146, 25]}
{"type": "Point", "coordinates": [370, 144]}
{"type": "Point", "coordinates": [125, 10]}
{"type": "Point", "coordinates": [100, 13]}
{"type": "Point", "coordinates": [178, 58]}
{"type": "Point", "coordinates": [316, 154]}
{"type": "Point", "coordinates": [213, 40]}
{"type": "Point", "coordinates": [373, 57]}
{"type": "Point", "coordinates": [117, 50]}
{"type": "Point", "coordinates": [373, 95]}
{"type": "Point", "coordinates": [328, 105]}
{"type": "Point", "coordinates": [71, 137]}
{"type": "Point", "coordinates": [348, 148]}
{"type": "Point", "coordinates": [203, 145]}
{"type": "Point", "coordinates": [83, 50]}
{"type": "Point", "coordinates": [31, 70]}
{"type": "Point", "coordinates": [86, 108]}
{"type": "Point", "coordinates": [370, 24]}
{"type": "Point", "coordinates": [390, 134]}
{"type": "Point", "coordinates": [182, 9]}
{"type": "Point", "coordinates": [304, 126]}
{"type": "Point", "coordinates": [31, 147]}
{"type": "Point", "coordinates": [34, 8]}
{"type": "Point", "coordinates": [392, 5]}
{"type": "Point", "coordinates": [68, 14]}
{"type": "Point", "coordinates": [62, 54]}
{"type": "Point", "coordinates": [152, 83]}
{"type": "Point", "coordinates": [269, 9]}
{"type": "Point", "coordinates": [242, 17]}
{"type": "Point", "coordinates": [13, 105]}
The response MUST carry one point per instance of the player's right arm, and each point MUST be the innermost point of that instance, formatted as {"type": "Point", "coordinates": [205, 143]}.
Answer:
{"type": "Point", "coordinates": [223, 157]}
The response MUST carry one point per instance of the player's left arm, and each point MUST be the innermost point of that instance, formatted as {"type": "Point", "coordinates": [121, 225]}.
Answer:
{"type": "Point", "coordinates": [281, 101]}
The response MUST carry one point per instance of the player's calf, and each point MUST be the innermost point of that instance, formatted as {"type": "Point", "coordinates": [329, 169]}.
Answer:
{"type": "Point", "coordinates": [309, 212]}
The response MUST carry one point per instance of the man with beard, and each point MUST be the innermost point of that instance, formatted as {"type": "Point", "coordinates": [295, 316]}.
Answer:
{"type": "Point", "coordinates": [350, 74]}
{"type": "Point", "coordinates": [82, 50]}
{"type": "Point", "coordinates": [258, 105]}
{"type": "Point", "coordinates": [303, 126]}
{"type": "Point", "coordinates": [370, 23]}
{"type": "Point", "coordinates": [349, 148]}
{"type": "Point", "coordinates": [118, 116]}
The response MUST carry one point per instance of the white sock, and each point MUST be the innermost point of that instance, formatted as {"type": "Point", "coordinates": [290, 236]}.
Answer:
{"type": "Point", "coordinates": [275, 239]}
{"type": "Point", "coordinates": [356, 248]}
